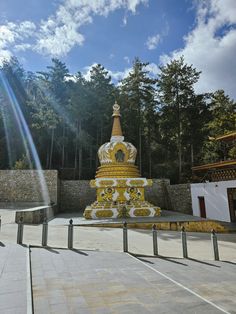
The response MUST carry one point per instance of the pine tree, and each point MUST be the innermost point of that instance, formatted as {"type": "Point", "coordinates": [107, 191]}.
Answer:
{"type": "Point", "coordinates": [55, 80]}
{"type": "Point", "coordinates": [176, 93]}
{"type": "Point", "coordinates": [138, 93]}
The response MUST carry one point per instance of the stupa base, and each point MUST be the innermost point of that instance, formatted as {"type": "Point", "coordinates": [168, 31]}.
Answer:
{"type": "Point", "coordinates": [130, 209]}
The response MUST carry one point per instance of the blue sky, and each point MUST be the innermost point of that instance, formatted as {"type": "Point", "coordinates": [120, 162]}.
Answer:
{"type": "Point", "coordinates": [113, 32]}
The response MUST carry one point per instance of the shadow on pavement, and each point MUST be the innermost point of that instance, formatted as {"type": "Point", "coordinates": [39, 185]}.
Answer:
{"type": "Point", "coordinates": [168, 259]}
{"type": "Point", "coordinates": [48, 248]}
{"type": "Point", "coordinates": [228, 262]}
{"type": "Point", "coordinates": [79, 252]}
{"type": "Point", "coordinates": [202, 262]}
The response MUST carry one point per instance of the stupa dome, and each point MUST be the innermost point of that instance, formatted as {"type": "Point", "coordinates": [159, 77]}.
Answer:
{"type": "Point", "coordinates": [117, 152]}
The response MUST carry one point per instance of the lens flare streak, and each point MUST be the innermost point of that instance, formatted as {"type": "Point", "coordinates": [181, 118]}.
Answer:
{"type": "Point", "coordinates": [25, 133]}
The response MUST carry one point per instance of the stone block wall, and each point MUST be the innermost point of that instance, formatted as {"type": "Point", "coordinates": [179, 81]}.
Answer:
{"type": "Point", "coordinates": [24, 186]}
{"type": "Point", "coordinates": [155, 193]}
{"type": "Point", "coordinates": [173, 197]}
{"type": "Point", "coordinates": [180, 198]}
{"type": "Point", "coordinates": [76, 195]}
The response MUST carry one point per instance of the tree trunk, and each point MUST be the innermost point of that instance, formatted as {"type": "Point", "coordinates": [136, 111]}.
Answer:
{"type": "Point", "coordinates": [48, 156]}
{"type": "Point", "coordinates": [180, 157]}
{"type": "Point", "coordinates": [140, 149]}
{"type": "Point", "coordinates": [90, 162]}
{"type": "Point", "coordinates": [63, 145]}
{"type": "Point", "coordinates": [51, 149]}
{"type": "Point", "coordinates": [76, 149]}
{"type": "Point", "coordinates": [80, 152]}
{"type": "Point", "coordinates": [96, 160]}
{"type": "Point", "coordinates": [140, 138]}
{"type": "Point", "coordinates": [90, 157]}
{"type": "Point", "coordinates": [192, 155]}
{"type": "Point", "coordinates": [149, 153]}
{"type": "Point", "coordinates": [179, 144]}
{"type": "Point", "coordinates": [101, 133]}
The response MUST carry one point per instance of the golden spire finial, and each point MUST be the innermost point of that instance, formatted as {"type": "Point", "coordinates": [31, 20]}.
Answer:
{"type": "Point", "coordinates": [116, 134]}
{"type": "Point", "coordinates": [116, 110]}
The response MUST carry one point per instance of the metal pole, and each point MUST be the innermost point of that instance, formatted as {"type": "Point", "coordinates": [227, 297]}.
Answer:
{"type": "Point", "coordinates": [184, 243]}
{"type": "Point", "coordinates": [154, 237]}
{"type": "Point", "coordinates": [20, 231]}
{"type": "Point", "coordinates": [215, 245]}
{"type": "Point", "coordinates": [125, 237]}
{"type": "Point", "coordinates": [70, 234]}
{"type": "Point", "coordinates": [45, 232]}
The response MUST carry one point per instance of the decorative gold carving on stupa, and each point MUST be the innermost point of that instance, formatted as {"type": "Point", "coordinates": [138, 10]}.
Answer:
{"type": "Point", "coordinates": [120, 190]}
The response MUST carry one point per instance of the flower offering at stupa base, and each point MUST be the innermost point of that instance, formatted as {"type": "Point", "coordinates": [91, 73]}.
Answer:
{"type": "Point", "coordinates": [120, 188]}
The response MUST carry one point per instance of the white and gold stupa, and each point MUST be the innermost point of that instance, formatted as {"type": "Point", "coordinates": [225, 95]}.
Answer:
{"type": "Point", "coordinates": [120, 189]}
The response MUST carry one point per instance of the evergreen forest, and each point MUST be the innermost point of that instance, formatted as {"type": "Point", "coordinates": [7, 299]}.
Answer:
{"type": "Point", "coordinates": [68, 118]}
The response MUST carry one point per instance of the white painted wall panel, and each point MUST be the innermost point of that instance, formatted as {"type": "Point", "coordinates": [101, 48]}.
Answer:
{"type": "Point", "coordinates": [216, 199]}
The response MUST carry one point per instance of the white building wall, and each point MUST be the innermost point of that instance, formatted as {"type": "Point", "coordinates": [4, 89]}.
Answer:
{"type": "Point", "coordinates": [216, 199]}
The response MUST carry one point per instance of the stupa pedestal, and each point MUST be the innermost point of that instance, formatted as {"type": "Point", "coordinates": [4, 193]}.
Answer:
{"type": "Point", "coordinates": [120, 197]}
{"type": "Point", "coordinates": [120, 189]}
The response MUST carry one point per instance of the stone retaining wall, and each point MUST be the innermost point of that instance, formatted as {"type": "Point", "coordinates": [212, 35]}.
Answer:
{"type": "Point", "coordinates": [180, 198]}
{"type": "Point", "coordinates": [24, 186]}
{"type": "Point", "coordinates": [76, 195]}
{"type": "Point", "coordinates": [21, 186]}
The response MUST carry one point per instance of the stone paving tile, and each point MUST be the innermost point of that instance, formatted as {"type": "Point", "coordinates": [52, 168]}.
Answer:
{"type": "Point", "coordinates": [13, 285]}
{"type": "Point", "coordinates": [215, 281]}
{"type": "Point", "coordinates": [101, 282]}
{"type": "Point", "coordinates": [18, 310]}
{"type": "Point", "coordinates": [166, 215]}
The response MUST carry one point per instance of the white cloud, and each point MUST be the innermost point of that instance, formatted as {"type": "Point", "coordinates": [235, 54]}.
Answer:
{"type": "Point", "coordinates": [153, 41]}
{"type": "Point", "coordinates": [86, 72]}
{"type": "Point", "coordinates": [11, 34]}
{"type": "Point", "coordinates": [119, 75]}
{"type": "Point", "coordinates": [153, 69]}
{"type": "Point", "coordinates": [115, 75]}
{"type": "Point", "coordinates": [22, 47]}
{"type": "Point", "coordinates": [25, 29]}
{"type": "Point", "coordinates": [60, 32]}
{"type": "Point", "coordinates": [4, 55]}
{"type": "Point", "coordinates": [211, 46]}
{"type": "Point", "coordinates": [127, 59]}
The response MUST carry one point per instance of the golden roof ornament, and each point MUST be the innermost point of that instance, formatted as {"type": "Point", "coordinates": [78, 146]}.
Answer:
{"type": "Point", "coordinates": [116, 110]}
{"type": "Point", "coordinates": [116, 134]}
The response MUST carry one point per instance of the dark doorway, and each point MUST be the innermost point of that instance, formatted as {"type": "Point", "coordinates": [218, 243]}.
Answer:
{"type": "Point", "coordinates": [202, 206]}
{"type": "Point", "coordinates": [232, 203]}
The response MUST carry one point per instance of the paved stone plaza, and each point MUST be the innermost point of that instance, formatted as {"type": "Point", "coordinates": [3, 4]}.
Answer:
{"type": "Point", "coordinates": [97, 277]}
{"type": "Point", "coordinates": [13, 279]}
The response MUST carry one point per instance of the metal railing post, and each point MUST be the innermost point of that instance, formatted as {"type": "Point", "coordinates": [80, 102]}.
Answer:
{"type": "Point", "coordinates": [20, 231]}
{"type": "Point", "coordinates": [154, 238]}
{"type": "Point", "coordinates": [70, 234]}
{"type": "Point", "coordinates": [184, 242]}
{"type": "Point", "coordinates": [215, 245]}
{"type": "Point", "coordinates": [45, 232]}
{"type": "Point", "coordinates": [125, 237]}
